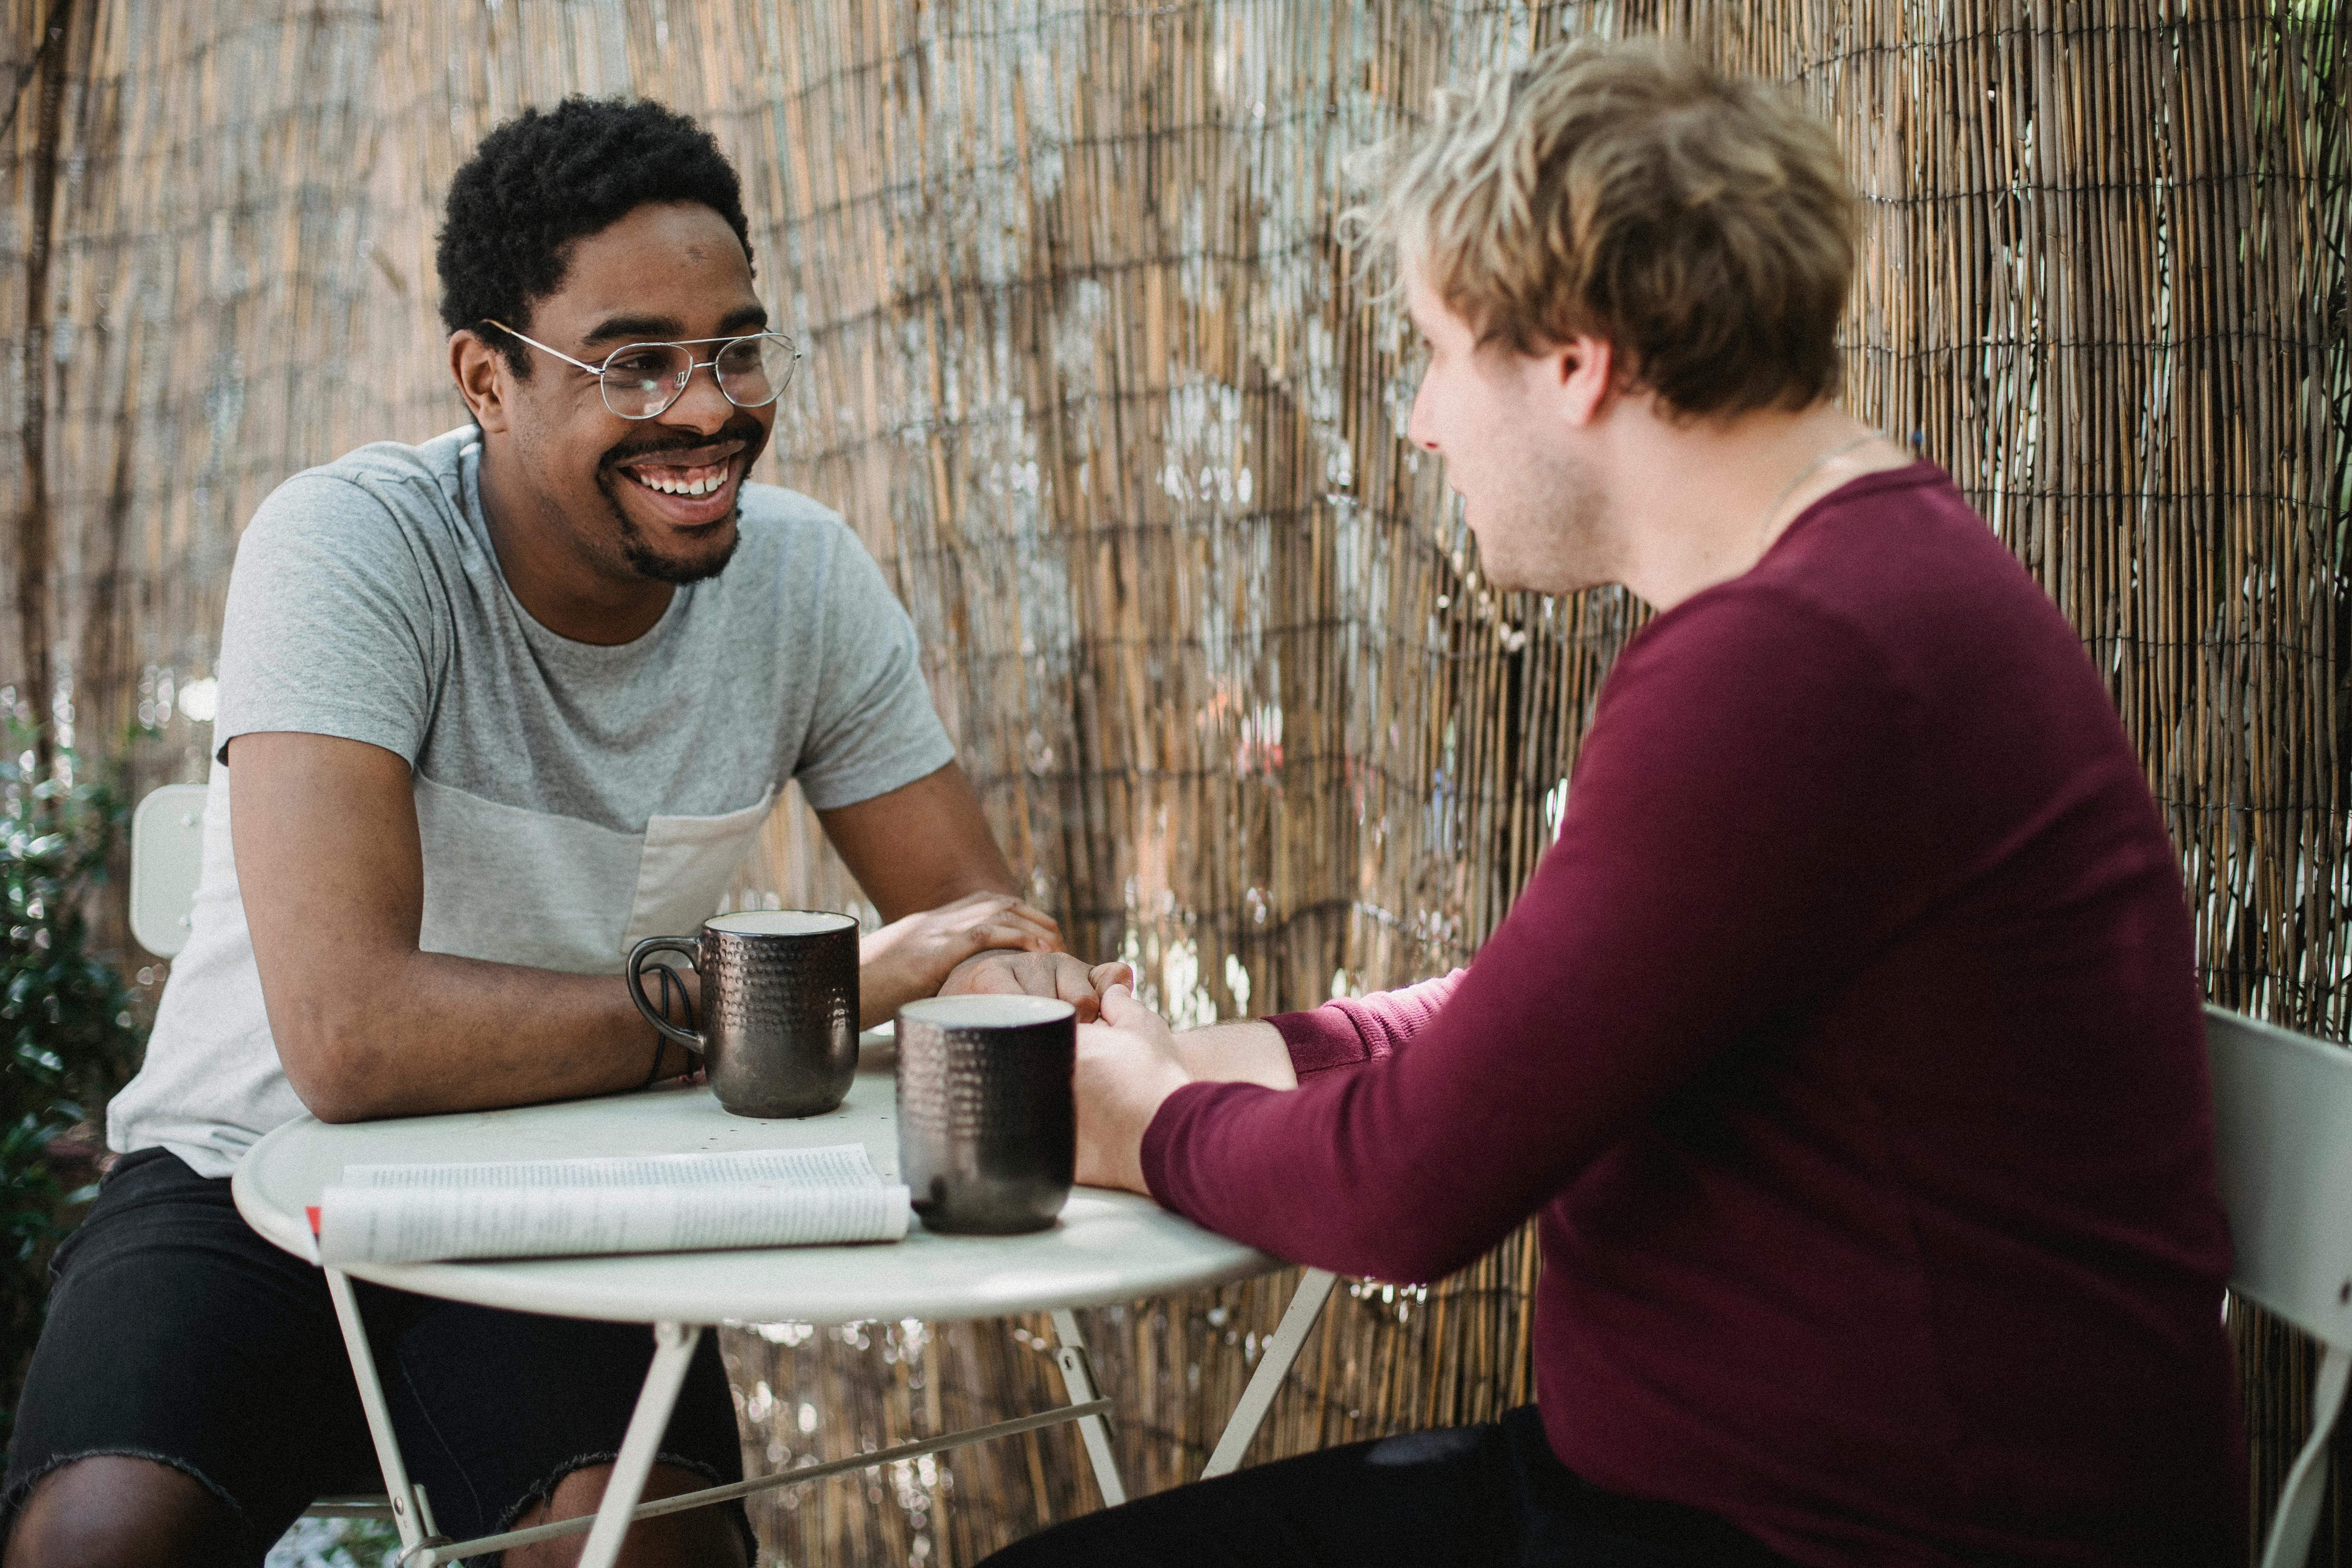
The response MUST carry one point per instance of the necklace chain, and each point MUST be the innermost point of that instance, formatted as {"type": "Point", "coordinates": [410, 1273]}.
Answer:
{"type": "Point", "coordinates": [1764, 523]}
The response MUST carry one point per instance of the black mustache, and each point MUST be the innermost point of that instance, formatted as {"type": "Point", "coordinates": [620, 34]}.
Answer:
{"type": "Point", "coordinates": [742, 429]}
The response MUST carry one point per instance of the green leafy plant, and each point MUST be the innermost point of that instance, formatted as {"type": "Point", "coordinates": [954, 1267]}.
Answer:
{"type": "Point", "coordinates": [69, 1024]}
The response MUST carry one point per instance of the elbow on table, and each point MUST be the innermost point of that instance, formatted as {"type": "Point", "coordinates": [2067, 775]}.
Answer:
{"type": "Point", "coordinates": [335, 1106]}
{"type": "Point", "coordinates": [333, 1061]}
{"type": "Point", "coordinates": [1424, 1266]}
{"type": "Point", "coordinates": [1402, 1252]}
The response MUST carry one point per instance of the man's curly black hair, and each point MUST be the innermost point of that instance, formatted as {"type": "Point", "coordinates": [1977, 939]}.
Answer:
{"type": "Point", "coordinates": [546, 178]}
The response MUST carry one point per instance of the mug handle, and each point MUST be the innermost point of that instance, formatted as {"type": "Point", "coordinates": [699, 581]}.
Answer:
{"type": "Point", "coordinates": [692, 1040]}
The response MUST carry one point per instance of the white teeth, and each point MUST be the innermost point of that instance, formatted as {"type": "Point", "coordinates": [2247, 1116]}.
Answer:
{"type": "Point", "coordinates": [693, 487]}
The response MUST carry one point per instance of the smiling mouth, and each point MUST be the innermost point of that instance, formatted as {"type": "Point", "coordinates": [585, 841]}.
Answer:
{"type": "Point", "coordinates": [687, 488]}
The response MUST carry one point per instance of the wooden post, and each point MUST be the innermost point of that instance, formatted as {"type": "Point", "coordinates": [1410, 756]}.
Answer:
{"type": "Point", "coordinates": [33, 542]}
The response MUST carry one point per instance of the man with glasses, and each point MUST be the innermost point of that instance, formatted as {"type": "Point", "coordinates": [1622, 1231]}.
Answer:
{"type": "Point", "coordinates": [492, 709]}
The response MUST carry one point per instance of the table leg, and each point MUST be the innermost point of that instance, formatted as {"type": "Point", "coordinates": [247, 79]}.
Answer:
{"type": "Point", "coordinates": [408, 1501]}
{"type": "Point", "coordinates": [673, 1350]}
{"type": "Point", "coordinates": [1306, 1305]}
{"type": "Point", "coordinates": [799, 1474]}
{"type": "Point", "coordinates": [1078, 1382]}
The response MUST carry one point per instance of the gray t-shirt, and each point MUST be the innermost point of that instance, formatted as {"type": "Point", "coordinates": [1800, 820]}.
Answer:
{"type": "Point", "coordinates": [572, 798]}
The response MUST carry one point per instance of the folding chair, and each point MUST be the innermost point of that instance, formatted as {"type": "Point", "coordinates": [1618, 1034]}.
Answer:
{"type": "Point", "coordinates": [2283, 1131]}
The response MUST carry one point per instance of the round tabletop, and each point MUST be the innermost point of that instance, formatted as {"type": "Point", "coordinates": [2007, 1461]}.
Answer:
{"type": "Point", "coordinates": [1107, 1247]}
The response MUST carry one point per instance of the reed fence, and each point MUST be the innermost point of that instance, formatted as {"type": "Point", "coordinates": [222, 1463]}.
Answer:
{"type": "Point", "coordinates": [1090, 376]}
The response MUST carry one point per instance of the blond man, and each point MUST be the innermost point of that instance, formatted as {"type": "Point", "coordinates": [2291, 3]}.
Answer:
{"type": "Point", "coordinates": [1845, 1046]}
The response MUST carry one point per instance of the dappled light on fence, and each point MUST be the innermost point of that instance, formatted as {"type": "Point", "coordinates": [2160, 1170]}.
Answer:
{"type": "Point", "coordinates": [1088, 374]}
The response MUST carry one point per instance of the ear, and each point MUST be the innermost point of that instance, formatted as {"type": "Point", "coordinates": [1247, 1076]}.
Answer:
{"type": "Point", "coordinates": [481, 374]}
{"type": "Point", "coordinates": [1584, 373]}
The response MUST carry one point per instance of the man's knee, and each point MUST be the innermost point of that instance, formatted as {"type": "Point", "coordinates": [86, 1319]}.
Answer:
{"type": "Point", "coordinates": [113, 1510]}
{"type": "Point", "coordinates": [702, 1537]}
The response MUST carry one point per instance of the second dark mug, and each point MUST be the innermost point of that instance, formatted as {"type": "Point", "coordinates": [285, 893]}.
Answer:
{"type": "Point", "coordinates": [779, 1007]}
{"type": "Point", "coordinates": [988, 1125]}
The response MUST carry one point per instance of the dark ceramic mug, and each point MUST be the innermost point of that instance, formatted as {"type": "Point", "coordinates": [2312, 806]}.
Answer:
{"type": "Point", "coordinates": [779, 1007]}
{"type": "Point", "coordinates": [988, 1125]}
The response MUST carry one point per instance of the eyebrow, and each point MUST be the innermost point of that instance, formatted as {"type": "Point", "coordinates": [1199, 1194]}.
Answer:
{"type": "Point", "coordinates": [665, 329]}
{"type": "Point", "coordinates": [613, 327]}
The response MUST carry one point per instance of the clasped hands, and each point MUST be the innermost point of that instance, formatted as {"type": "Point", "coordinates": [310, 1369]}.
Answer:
{"type": "Point", "coordinates": [989, 942]}
{"type": "Point", "coordinates": [1130, 1059]}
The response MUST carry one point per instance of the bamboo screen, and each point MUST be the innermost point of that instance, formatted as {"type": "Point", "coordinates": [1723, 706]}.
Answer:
{"type": "Point", "coordinates": [1087, 372]}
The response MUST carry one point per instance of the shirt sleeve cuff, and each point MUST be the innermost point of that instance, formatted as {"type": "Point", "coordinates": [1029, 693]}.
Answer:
{"type": "Point", "coordinates": [1321, 1039]}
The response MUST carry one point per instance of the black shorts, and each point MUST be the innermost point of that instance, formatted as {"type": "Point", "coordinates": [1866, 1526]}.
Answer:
{"type": "Point", "coordinates": [177, 1334]}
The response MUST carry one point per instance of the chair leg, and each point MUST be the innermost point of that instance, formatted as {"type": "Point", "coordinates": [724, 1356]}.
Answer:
{"type": "Point", "coordinates": [1306, 1306]}
{"type": "Point", "coordinates": [2297, 1519]}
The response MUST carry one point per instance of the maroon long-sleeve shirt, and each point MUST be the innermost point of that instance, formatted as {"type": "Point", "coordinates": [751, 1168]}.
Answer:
{"type": "Point", "coordinates": [1847, 1045]}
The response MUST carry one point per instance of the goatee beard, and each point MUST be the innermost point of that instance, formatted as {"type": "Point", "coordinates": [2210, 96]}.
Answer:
{"type": "Point", "coordinates": [651, 565]}
{"type": "Point", "coordinates": [641, 557]}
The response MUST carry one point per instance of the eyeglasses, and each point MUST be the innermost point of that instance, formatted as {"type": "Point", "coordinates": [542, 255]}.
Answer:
{"type": "Point", "coordinates": [640, 380]}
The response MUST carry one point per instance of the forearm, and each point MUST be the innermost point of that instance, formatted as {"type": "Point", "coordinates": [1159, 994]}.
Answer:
{"type": "Point", "coordinates": [1244, 1051]}
{"type": "Point", "coordinates": [921, 846]}
{"type": "Point", "coordinates": [431, 1032]}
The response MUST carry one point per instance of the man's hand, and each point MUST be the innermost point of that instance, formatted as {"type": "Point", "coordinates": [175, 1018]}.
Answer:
{"type": "Point", "coordinates": [1039, 973]}
{"type": "Point", "coordinates": [1122, 1011]}
{"type": "Point", "coordinates": [1128, 1066]}
{"type": "Point", "coordinates": [926, 843]}
{"type": "Point", "coordinates": [913, 957]}
{"type": "Point", "coordinates": [1245, 1050]}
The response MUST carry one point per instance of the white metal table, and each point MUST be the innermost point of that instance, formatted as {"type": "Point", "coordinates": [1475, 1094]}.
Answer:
{"type": "Point", "coordinates": [1108, 1246]}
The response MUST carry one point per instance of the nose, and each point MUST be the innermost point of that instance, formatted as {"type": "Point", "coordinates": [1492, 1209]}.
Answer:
{"type": "Point", "coordinates": [701, 407]}
{"type": "Point", "coordinates": [1418, 422]}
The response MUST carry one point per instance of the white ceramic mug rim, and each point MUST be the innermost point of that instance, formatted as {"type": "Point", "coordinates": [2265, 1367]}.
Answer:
{"type": "Point", "coordinates": [971, 1010]}
{"type": "Point", "coordinates": [786, 923]}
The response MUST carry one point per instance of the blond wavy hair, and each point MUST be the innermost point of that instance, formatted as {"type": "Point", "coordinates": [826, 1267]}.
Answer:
{"type": "Point", "coordinates": [1701, 224]}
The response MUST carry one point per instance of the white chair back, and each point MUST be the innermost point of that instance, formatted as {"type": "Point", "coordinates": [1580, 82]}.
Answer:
{"type": "Point", "coordinates": [167, 853]}
{"type": "Point", "coordinates": [2282, 1135]}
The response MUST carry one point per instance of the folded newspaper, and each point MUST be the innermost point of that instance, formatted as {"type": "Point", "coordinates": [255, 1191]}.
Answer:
{"type": "Point", "coordinates": [650, 1202]}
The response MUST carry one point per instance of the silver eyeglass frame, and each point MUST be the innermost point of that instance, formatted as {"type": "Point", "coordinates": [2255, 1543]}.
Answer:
{"type": "Point", "coordinates": [692, 364]}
